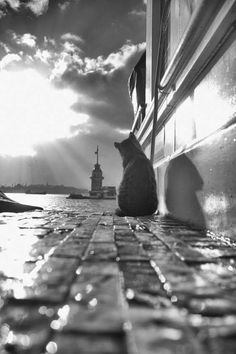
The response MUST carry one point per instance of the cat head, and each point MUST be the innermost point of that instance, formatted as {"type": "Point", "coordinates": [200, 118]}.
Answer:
{"type": "Point", "coordinates": [129, 147]}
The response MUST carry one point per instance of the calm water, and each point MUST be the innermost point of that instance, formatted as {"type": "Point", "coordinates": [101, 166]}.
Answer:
{"type": "Point", "coordinates": [60, 203]}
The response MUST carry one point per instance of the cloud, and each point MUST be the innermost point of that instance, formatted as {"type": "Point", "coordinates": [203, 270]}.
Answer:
{"type": "Point", "coordinates": [103, 80]}
{"type": "Point", "coordinates": [43, 55]}
{"type": "Point", "coordinates": [9, 59]}
{"type": "Point", "coordinates": [64, 5]}
{"type": "Point", "coordinates": [26, 39]}
{"type": "Point", "coordinates": [71, 37]}
{"type": "Point", "coordinates": [120, 58]}
{"type": "Point", "coordinates": [2, 13]}
{"type": "Point", "coordinates": [38, 7]}
{"type": "Point", "coordinates": [70, 60]}
{"type": "Point", "coordinates": [14, 4]}
{"type": "Point", "coordinates": [4, 46]}
{"type": "Point", "coordinates": [71, 48]}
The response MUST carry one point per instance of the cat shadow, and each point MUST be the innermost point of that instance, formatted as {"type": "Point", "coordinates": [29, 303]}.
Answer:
{"type": "Point", "coordinates": [183, 183]}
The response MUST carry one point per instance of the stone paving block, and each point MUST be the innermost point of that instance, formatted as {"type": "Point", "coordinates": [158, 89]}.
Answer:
{"type": "Point", "coordinates": [157, 249]}
{"type": "Point", "coordinates": [106, 220]}
{"type": "Point", "coordinates": [57, 271]}
{"type": "Point", "coordinates": [23, 329]}
{"type": "Point", "coordinates": [190, 255]}
{"type": "Point", "coordinates": [163, 257]}
{"type": "Point", "coordinates": [221, 345]}
{"type": "Point", "coordinates": [182, 250]}
{"type": "Point", "coordinates": [88, 344]}
{"type": "Point", "coordinates": [219, 251]}
{"type": "Point", "coordinates": [222, 274]}
{"type": "Point", "coordinates": [95, 305]}
{"type": "Point", "coordinates": [212, 306]}
{"type": "Point", "coordinates": [103, 251]}
{"type": "Point", "coordinates": [154, 336]}
{"type": "Point", "coordinates": [146, 238]}
{"type": "Point", "coordinates": [172, 288]}
{"type": "Point", "coordinates": [140, 277]}
{"type": "Point", "coordinates": [13, 290]}
{"type": "Point", "coordinates": [190, 235]}
{"type": "Point", "coordinates": [41, 249]}
{"type": "Point", "coordinates": [70, 249]}
{"type": "Point", "coordinates": [205, 243]}
{"type": "Point", "coordinates": [92, 317]}
{"type": "Point", "coordinates": [103, 233]}
{"type": "Point", "coordinates": [48, 282]}
{"type": "Point", "coordinates": [99, 267]}
{"type": "Point", "coordinates": [106, 288]}
{"type": "Point", "coordinates": [125, 236]}
{"type": "Point", "coordinates": [87, 228]}
{"type": "Point", "coordinates": [131, 251]}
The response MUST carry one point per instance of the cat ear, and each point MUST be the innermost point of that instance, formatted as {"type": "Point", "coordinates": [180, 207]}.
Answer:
{"type": "Point", "coordinates": [116, 145]}
{"type": "Point", "coordinates": [131, 135]}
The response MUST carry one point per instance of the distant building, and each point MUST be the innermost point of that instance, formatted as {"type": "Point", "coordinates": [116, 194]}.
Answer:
{"type": "Point", "coordinates": [97, 190]}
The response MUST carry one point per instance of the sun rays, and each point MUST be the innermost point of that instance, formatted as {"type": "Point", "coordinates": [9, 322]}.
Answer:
{"type": "Point", "coordinates": [34, 112]}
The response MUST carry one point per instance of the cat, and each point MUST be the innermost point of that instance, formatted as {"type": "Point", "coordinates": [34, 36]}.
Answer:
{"type": "Point", "coordinates": [137, 194]}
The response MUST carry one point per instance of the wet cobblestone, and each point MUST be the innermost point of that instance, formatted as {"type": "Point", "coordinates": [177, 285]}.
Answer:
{"type": "Point", "coordinates": [100, 284]}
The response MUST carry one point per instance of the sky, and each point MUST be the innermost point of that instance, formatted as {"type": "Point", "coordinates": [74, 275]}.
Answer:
{"type": "Point", "coordinates": [64, 68]}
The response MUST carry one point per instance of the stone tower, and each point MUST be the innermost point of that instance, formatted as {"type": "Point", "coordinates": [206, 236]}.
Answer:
{"type": "Point", "coordinates": [96, 179]}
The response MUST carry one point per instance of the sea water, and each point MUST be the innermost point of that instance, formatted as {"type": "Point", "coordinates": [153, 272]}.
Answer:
{"type": "Point", "coordinates": [59, 202]}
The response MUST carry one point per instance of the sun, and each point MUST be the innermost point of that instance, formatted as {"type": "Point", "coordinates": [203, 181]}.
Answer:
{"type": "Point", "coordinates": [34, 112]}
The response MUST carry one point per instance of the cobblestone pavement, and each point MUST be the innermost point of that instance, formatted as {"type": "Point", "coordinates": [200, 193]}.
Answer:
{"type": "Point", "coordinates": [100, 284]}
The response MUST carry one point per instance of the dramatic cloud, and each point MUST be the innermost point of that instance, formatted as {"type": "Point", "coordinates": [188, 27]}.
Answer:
{"type": "Point", "coordinates": [5, 47]}
{"type": "Point", "coordinates": [26, 39]}
{"type": "Point", "coordinates": [71, 37]}
{"type": "Point", "coordinates": [9, 59]}
{"type": "Point", "coordinates": [43, 55]}
{"type": "Point", "coordinates": [14, 4]}
{"type": "Point", "coordinates": [69, 61]}
{"type": "Point", "coordinates": [38, 7]}
{"type": "Point", "coordinates": [64, 5]}
{"type": "Point", "coordinates": [103, 81]}
{"type": "Point", "coordinates": [64, 69]}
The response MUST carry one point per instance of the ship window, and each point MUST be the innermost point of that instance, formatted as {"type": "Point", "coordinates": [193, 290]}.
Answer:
{"type": "Point", "coordinates": [177, 17]}
{"type": "Point", "coordinates": [180, 15]}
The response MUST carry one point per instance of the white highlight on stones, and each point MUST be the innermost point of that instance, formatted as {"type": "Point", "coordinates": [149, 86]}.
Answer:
{"type": "Point", "coordinates": [51, 347]}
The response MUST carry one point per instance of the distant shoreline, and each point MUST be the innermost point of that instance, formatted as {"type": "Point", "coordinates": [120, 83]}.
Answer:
{"type": "Point", "coordinates": [42, 189]}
